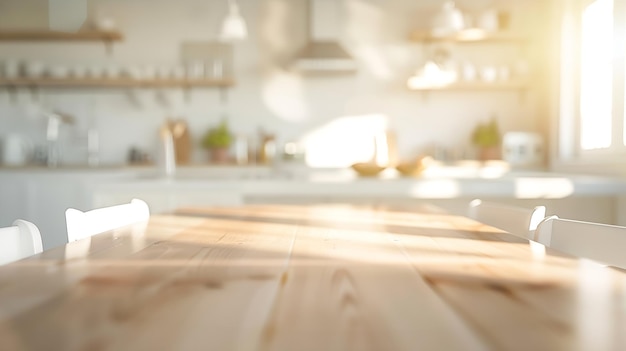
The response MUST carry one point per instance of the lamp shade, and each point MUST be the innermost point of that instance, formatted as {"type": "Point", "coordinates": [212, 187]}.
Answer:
{"type": "Point", "coordinates": [234, 26]}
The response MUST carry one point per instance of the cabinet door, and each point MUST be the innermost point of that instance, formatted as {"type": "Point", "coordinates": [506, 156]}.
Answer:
{"type": "Point", "coordinates": [163, 199]}
{"type": "Point", "coordinates": [13, 199]}
{"type": "Point", "coordinates": [158, 200]}
{"type": "Point", "coordinates": [206, 197]}
{"type": "Point", "coordinates": [51, 196]}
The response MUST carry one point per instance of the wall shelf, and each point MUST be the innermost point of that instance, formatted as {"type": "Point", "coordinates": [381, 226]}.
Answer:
{"type": "Point", "coordinates": [106, 37]}
{"type": "Point", "coordinates": [478, 85]}
{"type": "Point", "coordinates": [47, 35]}
{"type": "Point", "coordinates": [473, 36]}
{"type": "Point", "coordinates": [466, 37]}
{"type": "Point", "coordinates": [115, 83]}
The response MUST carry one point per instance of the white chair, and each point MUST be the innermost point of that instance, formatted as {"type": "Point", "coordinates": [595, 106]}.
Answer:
{"type": "Point", "coordinates": [85, 224]}
{"type": "Point", "coordinates": [18, 241]}
{"type": "Point", "coordinates": [601, 242]}
{"type": "Point", "coordinates": [519, 221]}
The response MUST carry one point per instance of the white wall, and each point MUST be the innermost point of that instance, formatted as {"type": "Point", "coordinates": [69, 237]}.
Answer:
{"type": "Point", "coordinates": [268, 96]}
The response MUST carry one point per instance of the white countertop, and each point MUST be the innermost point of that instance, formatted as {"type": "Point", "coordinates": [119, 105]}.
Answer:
{"type": "Point", "coordinates": [435, 183]}
{"type": "Point", "coordinates": [52, 191]}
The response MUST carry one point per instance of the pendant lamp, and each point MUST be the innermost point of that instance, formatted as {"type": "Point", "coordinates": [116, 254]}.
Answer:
{"type": "Point", "coordinates": [234, 26]}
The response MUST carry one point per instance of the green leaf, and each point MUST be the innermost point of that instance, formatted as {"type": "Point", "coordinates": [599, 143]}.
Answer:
{"type": "Point", "coordinates": [219, 136]}
{"type": "Point", "coordinates": [486, 134]}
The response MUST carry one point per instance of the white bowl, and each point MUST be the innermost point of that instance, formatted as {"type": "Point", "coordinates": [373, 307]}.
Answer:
{"type": "Point", "coordinates": [95, 71]}
{"type": "Point", "coordinates": [78, 71]}
{"type": "Point", "coordinates": [34, 69]}
{"type": "Point", "coordinates": [58, 72]}
{"type": "Point", "coordinates": [106, 24]}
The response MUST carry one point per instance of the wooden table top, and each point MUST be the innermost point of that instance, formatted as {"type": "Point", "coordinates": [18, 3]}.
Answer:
{"type": "Point", "coordinates": [317, 278]}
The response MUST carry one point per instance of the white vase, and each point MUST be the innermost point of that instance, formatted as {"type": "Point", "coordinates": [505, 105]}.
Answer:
{"type": "Point", "coordinates": [449, 21]}
{"type": "Point", "coordinates": [488, 21]}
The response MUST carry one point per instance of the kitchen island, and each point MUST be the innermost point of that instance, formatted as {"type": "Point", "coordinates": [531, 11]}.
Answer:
{"type": "Point", "coordinates": [41, 195]}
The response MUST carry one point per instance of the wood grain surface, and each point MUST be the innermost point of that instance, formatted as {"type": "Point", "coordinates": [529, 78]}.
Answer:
{"type": "Point", "coordinates": [325, 277]}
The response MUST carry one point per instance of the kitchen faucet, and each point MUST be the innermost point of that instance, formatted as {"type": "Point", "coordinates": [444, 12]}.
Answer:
{"type": "Point", "coordinates": [55, 119]}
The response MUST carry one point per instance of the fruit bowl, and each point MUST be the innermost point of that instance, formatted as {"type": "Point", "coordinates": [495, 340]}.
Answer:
{"type": "Point", "coordinates": [367, 169]}
{"type": "Point", "coordinates": [413, 168]}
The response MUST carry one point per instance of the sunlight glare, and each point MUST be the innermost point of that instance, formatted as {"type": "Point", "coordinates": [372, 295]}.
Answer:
{"type": "Point", "coordinates": [436, 189]}
{"type": "Point", "coordinates": [546, 188]}
{"type": "Point", "coordinates": [283, 94]}
{"type": "Point", "coordinates": [432, 76]}
{"type": "Point", "coordinates": [366, 29]}
{"type": "Point", "coordinates": [538, 250]}
{"type": "Point", "coordinates": [595, 289]}
{"type": "Point", "coordinates": [596, 75]}
{"type": "Point", "coordinates": [78, 249]}
{"type": "Point", "coordinates": [345, 141]}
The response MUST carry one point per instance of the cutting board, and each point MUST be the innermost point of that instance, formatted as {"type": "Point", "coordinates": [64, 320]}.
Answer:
{"type": "Point", "coordinates": [182, 140]}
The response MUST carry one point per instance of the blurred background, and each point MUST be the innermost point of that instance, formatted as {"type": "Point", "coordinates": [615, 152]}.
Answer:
{"type": "Point", "coordinates": [91, 82]}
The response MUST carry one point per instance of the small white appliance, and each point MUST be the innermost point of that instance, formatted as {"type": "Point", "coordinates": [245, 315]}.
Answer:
{"type": "Point", "coordinates": [16, 150]}
{"type": "Point", "coordinates": [523, 149]}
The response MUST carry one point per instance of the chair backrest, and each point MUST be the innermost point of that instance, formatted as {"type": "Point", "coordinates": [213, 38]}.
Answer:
{"type": "Point", "coordinates": [519, 221]}
{"type": "Point", "coordinates": [18, 241]}
{"type": "Point", "coordinates": [601, 242]}
{"type": "Point", "coordinates": [85, 224]}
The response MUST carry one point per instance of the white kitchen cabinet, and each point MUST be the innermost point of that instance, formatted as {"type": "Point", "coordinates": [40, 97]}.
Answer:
{"type": "Point", "coordinates": [42, 196]}
{"type": "Point", "coordinates": [14, 200]}
{"type": "Point", "coordinates": [51, 196]}
{"type": "Point", "coordinates": [164, 196]}
{"type": "Point", "coordinates": [41, 199]}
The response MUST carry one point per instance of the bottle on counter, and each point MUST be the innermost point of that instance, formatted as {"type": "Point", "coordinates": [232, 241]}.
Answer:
{"type": "Point", "coordinates": [166, 156]}
{"type": "Point", "coordinates": [385, 149]}
{"type": "Point", "coordinates": [293, 151]}
{"type": "Point", "coordinates": [241, 150]}
{"type": "Point", "coordinates": [268, 149]}
{"type": "Point", "coordinates": [93, 147]}
{"type": "Point", "coordinates": [181, 139]}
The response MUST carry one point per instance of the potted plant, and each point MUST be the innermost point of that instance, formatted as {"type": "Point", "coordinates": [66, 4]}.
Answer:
{"type": "Point", "coordinates": [486, 137]}
{"type": "Point", "coordinates": [218, 140]}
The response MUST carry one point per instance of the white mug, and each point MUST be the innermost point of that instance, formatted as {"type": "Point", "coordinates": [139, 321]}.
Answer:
{"type": "Point", "coordinates": [450, 20]}
{"type": "Point", "coordinates": [16, 150]}
{"type": "Point", "coordinates": [488, 21]}
{"type": "Point", "coordinates": [11, 69]}
{"type": "Point", "coordinates": [489, 73]}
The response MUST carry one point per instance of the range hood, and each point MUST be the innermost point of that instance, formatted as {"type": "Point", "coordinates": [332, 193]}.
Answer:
{"type": "Point", "coordinates": [323, 53]}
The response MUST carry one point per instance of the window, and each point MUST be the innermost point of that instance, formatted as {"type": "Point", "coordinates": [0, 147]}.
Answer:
{"type": "Point", "coordinates": [592, 83]}
{"type": "Point", "coordinates": [596, 71]}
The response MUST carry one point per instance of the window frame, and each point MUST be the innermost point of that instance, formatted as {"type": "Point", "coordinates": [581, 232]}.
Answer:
{"type": "Point", "coordinates": [569, 152]}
